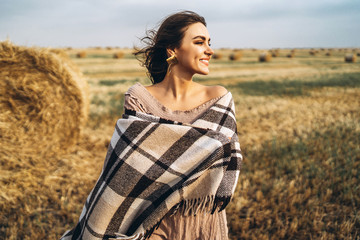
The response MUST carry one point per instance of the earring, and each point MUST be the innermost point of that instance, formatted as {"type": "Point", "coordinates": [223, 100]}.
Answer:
{"type": "Point", "coordinates": [171, 61]}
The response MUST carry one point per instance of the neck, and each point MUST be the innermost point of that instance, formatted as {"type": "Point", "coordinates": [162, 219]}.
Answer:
{"type": "Point", "coordinates": [177, 85]}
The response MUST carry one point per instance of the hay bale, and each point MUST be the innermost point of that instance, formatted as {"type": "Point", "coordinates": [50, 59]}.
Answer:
{"type": "Point", "coordinates": [328, 54]}
{"type": "Point", "coordinates": [44, 100]}
{"type": "Point", "coordinates": [291, 55]}
{"type": "Point", "coordinates": [61, 53]}
{"type": "Point", "coordinates": [313, 52]}
{"type": "Point", "coordinates": [217, 56]}
{"type": "Point", "coordinates": [358, 54]}
{"type": "Point", "coordinates": [265, 57]}
{"type": "Point", "coordinates": [118, 55]}
{"type": "Point", "coordinates": [275, 53]}
{"type": "Point", "coordinates": [235, 56]}
{"type": "Point", "coordinates": [81, 54]}
{"type": "Point", "coordinates": [350, 57]}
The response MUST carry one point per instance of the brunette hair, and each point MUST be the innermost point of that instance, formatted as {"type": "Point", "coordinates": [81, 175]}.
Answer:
{"type": "Point", "coordinates": [168, 36]}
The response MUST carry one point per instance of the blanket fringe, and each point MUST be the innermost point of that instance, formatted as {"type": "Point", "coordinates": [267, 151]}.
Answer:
{"type": "Point", "coordinates": [208, 204]}
{"type": "Point", "coordinates": [193, 206]}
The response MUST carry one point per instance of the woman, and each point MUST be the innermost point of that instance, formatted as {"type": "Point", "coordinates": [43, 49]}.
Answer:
{"type": "Point", "coordinates": [174, 159]}
{"type": "Point", "coordinates": [184, 40]}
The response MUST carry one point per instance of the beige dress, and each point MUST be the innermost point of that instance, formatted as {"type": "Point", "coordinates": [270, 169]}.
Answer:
{"type": "Point", "coordinates": [204, 226]}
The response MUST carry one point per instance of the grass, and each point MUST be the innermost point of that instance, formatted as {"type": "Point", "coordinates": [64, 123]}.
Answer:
{"type": "Point", "coordinates": [235, 77]}
{"type": "Point", "coordinates": [236, 63]}
{"type": "Point", "coordinates": [295, 87]}
{"type": "Point", "coordinates": [110, 72]}
{"type": "Point", "coordinates": [112, 108]}
{"type": "Point", "coordinates": [112, 82]}
{"type": "Point", "coordinates": [104, 56]}
{"type": "Point", "coordinates": [297, 186]}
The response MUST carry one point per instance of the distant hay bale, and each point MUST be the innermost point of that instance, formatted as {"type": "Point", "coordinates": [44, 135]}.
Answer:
{"type": "Point", "coordinates": [350, 57]}
{"type": "Point", "coordinates": [313, 52]}
{"type": "Point", "coordinates": [328, 54]}
{"type": "Point", "coordinates": [265, 57]}
{"type": "Point", "coordinates": [81, 54]}
{"type": "Point", "coordinates": [118, 55]}
{"type": "Point", "coordinates": [275, 53]}
{"type": "Point", "coordinates": [217, 56]}
{"type": "Point", "coordinates": [291, 55]}
{"type": "Point", "coordinates": [44, 100]}
{"type": "Point", "coordinates": [235, 56]}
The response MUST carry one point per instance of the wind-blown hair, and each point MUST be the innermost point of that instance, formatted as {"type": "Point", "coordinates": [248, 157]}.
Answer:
{"type": "Point", "coordinates": [168, 36]}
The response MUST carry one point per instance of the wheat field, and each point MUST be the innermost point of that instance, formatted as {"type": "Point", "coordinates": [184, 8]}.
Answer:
{"type": "Point", "coordinates": [299, 128]}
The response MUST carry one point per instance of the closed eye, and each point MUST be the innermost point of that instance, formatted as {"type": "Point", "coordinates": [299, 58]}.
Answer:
{"type": "Point", "coordinates": [203, 40]}
{"type": "Point", "coordinates": [201, 43]}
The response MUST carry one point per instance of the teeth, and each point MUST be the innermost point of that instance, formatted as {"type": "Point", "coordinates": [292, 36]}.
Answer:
{"type": "Point", "coordinates": [204, 60]}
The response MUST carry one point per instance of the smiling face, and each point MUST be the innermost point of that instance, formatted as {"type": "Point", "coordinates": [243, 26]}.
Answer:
{"type": "Point", "coordinates": [194, 53]}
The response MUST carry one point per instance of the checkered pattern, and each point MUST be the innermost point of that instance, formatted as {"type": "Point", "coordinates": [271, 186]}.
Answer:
{"type": "Point", "coordinates": [155, 166]}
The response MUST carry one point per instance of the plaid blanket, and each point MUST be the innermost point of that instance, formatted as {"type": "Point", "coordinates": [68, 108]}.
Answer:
{"type": "Point", "coordinates": [155, 166]}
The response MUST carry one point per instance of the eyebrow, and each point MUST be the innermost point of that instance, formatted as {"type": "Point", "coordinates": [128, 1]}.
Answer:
{"type": "Point", "coordinates": [202, 37]}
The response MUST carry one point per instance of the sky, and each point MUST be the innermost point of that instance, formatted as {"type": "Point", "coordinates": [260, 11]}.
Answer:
{"type": "Point", "coordinates": [231, 23]}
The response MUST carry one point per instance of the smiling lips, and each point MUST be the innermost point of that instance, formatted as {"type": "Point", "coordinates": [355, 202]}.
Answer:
{"type": "Point", "coordinates": [205, 61]}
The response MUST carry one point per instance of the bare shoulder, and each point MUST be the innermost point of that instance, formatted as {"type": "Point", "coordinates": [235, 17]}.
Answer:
{"type": "Point", "coordinates": [148, 87]}
{"type": "Point", "coordinates": [216, 91]}
{"type": "Point", "coordinates": [152, 89]}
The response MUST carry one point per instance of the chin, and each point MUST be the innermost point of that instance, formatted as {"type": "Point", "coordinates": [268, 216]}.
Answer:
{"type": "Point", "coordinates": [203, 72]}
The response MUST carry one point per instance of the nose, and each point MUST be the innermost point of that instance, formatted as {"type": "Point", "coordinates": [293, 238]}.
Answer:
{"type": "Point", "coordinates": [209, 51]}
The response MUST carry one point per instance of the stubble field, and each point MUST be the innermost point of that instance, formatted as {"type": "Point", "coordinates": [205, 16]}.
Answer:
{"type": "Point", "coordinates": [299, 128]}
